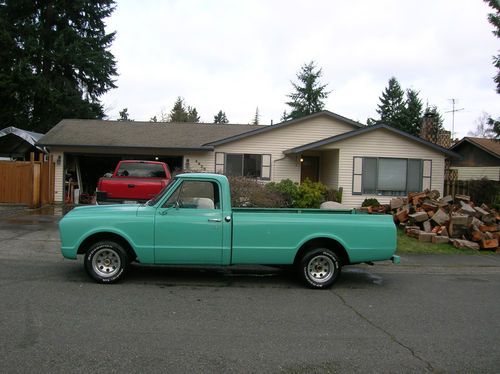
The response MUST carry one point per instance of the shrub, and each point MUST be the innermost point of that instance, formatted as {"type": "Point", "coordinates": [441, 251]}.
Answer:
{"type": "Point", "coordinates": [370, 202]}
{"type": "Point", "coordinates": [287, 189]}
{"type": "Point", "coordinates": [334, 195]}
{"type": "Point", "coordinates": [247, 192]}
{"type": "Point", "coordinates": [310, 194]}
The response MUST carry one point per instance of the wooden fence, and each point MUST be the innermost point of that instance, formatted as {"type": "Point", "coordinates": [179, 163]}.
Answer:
{"type": "Point", "coordinates": [456, 187]}
{"type": "Point", "coordinates": [27, 182]}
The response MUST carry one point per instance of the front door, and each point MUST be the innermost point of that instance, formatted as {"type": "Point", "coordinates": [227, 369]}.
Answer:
{"type": "Point", "coordinates": [188, 226]}
{"type": "Point", "coordinates": [309, 168]}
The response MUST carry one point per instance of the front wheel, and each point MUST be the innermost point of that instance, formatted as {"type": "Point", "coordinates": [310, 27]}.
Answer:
{"type": "Point", "coordinates": [320, 268]}
{"type": "Point", "coordinates": [106, 261]}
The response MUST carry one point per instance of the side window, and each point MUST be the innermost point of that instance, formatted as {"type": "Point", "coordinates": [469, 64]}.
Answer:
{"type": "Point", "coordinates": [195, 195]}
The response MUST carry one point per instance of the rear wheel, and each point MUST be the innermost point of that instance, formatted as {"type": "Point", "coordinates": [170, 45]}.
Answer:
{"type": "Point", "coordinates": [319, 268]}
{"type": "Point", "coordinates": [106, 261]}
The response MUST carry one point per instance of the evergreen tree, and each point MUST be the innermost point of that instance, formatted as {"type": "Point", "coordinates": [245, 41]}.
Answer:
{"type": "Point", "coordinates": [495, 128]}
{"type": "Point", "coordinates": [123, 115]}
{"type": "Point", "coordinates": [54, 61]}
{"type": "Point", "coordinates": [412, 114]}
{"type": "Point", "coordinates": [398, 110]}
{"type": "Point", "coordinates": [494, 19]}
{"type": "Point", "coordinates": [391, 105]}
{"type": "Point", "coordinates": [220, 117]}
{"type": "Point", "coordinates": [309, 92]}
{"type": "Point", "coordinates": [181, 113]}
{"type": "Point", "coordinates": [256, 118]}
{"type": "Point", "coordinates": [178, 112]}
{"type": "Point", "coordinates": [192, 115]}
{"type": "Point", "coordinates": [432, 111]}
{"type": "Point", "coordinates": [284, 116]}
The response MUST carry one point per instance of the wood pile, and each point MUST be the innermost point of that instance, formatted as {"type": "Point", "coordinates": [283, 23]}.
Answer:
{"type": "Point", "coordinates": [457, 220]}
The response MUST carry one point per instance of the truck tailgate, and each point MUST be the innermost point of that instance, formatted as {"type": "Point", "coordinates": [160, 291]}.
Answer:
{"type": "Point", "coordinates": [131, 188]}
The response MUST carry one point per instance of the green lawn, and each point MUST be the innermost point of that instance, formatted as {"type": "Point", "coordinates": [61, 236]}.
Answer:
{"type": "Point", "coordinates": [412, 245]}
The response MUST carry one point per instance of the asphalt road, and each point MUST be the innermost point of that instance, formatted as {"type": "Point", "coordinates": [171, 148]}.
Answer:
{"type": "Point", "coordinates": [430, 314]}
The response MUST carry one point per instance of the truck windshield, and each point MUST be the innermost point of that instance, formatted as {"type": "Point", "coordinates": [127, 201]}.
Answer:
{"type": "Point", "coordinates": [158, 197]}
{"type": "Point", "coordinates": [141, 170]}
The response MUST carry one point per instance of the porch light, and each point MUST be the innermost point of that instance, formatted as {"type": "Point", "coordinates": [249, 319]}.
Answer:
{"type": "Point", "coordinates": [301, 159]}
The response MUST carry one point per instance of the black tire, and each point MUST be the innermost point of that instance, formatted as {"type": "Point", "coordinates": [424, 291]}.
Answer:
{"type": "Point", "coordinates": [106, 262]}
{"type": "Point", "coordinates": [319, 268]}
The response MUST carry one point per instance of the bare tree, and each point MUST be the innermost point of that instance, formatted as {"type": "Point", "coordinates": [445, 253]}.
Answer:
{"type": "Point", "coordinates": [484, 128]}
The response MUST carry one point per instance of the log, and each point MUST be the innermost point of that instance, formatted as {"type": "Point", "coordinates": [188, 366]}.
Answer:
{"type": "Point", "coordinates": [440, 217]}
{"type": "Point", "coordinates": [467, 209]}
{"type": "Point", "coordinates": [438, 239]}
{"type": "Point", "coordinates": [426, 236]}
{"type": "Point", "coordinates": [419, 216]}
{"type": "Point", "coordinates": [396, 203]}
{"type": "Point", "coordinates": [444, 231]}
{"type": "Point", "coordinates": [446, 200]}
{"type": "Point", "coordinates": [480, 211]}
{"type": "Point", "coordinates": [463, 198]}
{"type": "Point", "coordinates": [476, 236]}
{"type": "Point", "coordinates": [489, 243]}
{"type": "Point", "coordinates": [458, 243]}
{"type": "Point", "coordinates": [459, 219]}
{"type": "Point", "coordinates": [485, 228]}
{"type": "Point", "coordinates": [428, 206]}
{"type": "Point", "coordinates": [402, 216]}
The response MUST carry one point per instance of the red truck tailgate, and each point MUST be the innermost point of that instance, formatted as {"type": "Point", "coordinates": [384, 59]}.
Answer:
{"type": "Point", "coordinates": [132, 188]}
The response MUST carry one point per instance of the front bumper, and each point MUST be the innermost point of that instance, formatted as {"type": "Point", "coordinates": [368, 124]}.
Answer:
{"type": "Point", "coordinates": [396, 259]}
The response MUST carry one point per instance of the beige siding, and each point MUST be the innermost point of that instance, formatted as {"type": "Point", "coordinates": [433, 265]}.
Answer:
{"type": "Point", "coordinates": [58, 177]}
{"type": "Point", "coordinates": [281, 139]}
{"type": "Point", "coordinates": [467, 173]}
{"type": "Point", "coordinates": [330, 168]}
{"type": "Point", "coordinates": [204, 162]}
{"type": "Point", "coordinates": [382, 143]}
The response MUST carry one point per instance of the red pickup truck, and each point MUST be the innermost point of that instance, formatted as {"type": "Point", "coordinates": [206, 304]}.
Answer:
{"type": "Point", "coordinates": [133, 181]}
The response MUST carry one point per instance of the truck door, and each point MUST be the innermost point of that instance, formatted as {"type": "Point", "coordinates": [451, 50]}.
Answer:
{"type": "Point", "coordinates": [188, 226]}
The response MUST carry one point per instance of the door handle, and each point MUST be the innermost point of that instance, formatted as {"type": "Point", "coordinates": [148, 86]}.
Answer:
{"type": "Point", "coordinates": [214, 220]}
{"type": "Point", "coordinates": [131, 185]}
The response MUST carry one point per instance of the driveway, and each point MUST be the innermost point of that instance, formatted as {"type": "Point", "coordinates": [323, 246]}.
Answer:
{"type": "Point", "coordinates": [429, 314]}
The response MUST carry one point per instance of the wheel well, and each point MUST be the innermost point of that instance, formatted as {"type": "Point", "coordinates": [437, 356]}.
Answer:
{"type": "Point", "coordinates": [87, 243]}
{"type": "Point", "coordinates": [323, 243]}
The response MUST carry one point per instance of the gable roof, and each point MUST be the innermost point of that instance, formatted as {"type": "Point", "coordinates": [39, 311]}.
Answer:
{"type": "Point", "coordinates": [488, 145]}
{"type": "Point", "coordinates": [135, 134]}
{"type": "Point", "coordinates": [262, 129]}
{"type": "Point", "coordinates": [365, 130]}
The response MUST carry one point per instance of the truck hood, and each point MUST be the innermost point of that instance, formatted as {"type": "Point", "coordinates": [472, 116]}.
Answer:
{"type": "Point", "coordinates": [104, 209]}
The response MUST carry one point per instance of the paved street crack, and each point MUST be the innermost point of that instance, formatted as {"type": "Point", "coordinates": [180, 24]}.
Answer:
{"type": "Point", "coordinates": [391, 336]}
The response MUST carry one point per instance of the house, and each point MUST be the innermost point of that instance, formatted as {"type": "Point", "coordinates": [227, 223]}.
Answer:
{"type": "Point", "coordinates": [480, 158]}
{"type": "Point", "coordinates": [365, 161]}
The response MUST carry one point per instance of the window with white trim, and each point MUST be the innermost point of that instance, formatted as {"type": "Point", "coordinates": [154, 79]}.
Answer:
{"type": "Point", "coordinates": [390, 176]}
{"type": "Point", "coordinates": [244, 165]}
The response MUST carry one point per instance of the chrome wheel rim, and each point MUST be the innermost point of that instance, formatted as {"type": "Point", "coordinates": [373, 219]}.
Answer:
{"type": "Point", "coordinates": [320, 269]}
{"type": "Point", "coordinates": [106, 263]}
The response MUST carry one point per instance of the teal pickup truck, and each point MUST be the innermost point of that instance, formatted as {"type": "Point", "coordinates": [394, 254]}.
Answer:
{"type": "Point", "coordinates": [191, 222]}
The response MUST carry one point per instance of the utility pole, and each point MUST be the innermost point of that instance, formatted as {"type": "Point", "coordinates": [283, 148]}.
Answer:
{"type": "Point", "coordinates": [452, 111]}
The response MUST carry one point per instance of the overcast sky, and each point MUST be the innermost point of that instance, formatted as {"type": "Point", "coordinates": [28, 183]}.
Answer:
{"type": "Point", "coordinates": [239, 55]}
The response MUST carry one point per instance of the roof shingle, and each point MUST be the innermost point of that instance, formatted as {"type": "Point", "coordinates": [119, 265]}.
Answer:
{"type": "Point", "coordinates": [101, 133]}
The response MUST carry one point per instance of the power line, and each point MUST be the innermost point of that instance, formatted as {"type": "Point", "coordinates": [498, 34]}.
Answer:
{"type": "Point", "coordinates": [452, 111]}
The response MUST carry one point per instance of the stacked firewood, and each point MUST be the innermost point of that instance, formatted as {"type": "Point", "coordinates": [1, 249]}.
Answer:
{"type": "Point", "coordinates": [458, 220]}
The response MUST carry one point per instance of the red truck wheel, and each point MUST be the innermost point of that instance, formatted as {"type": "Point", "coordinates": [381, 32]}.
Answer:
{"type": "Point", "coordinates": [320, 268]}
